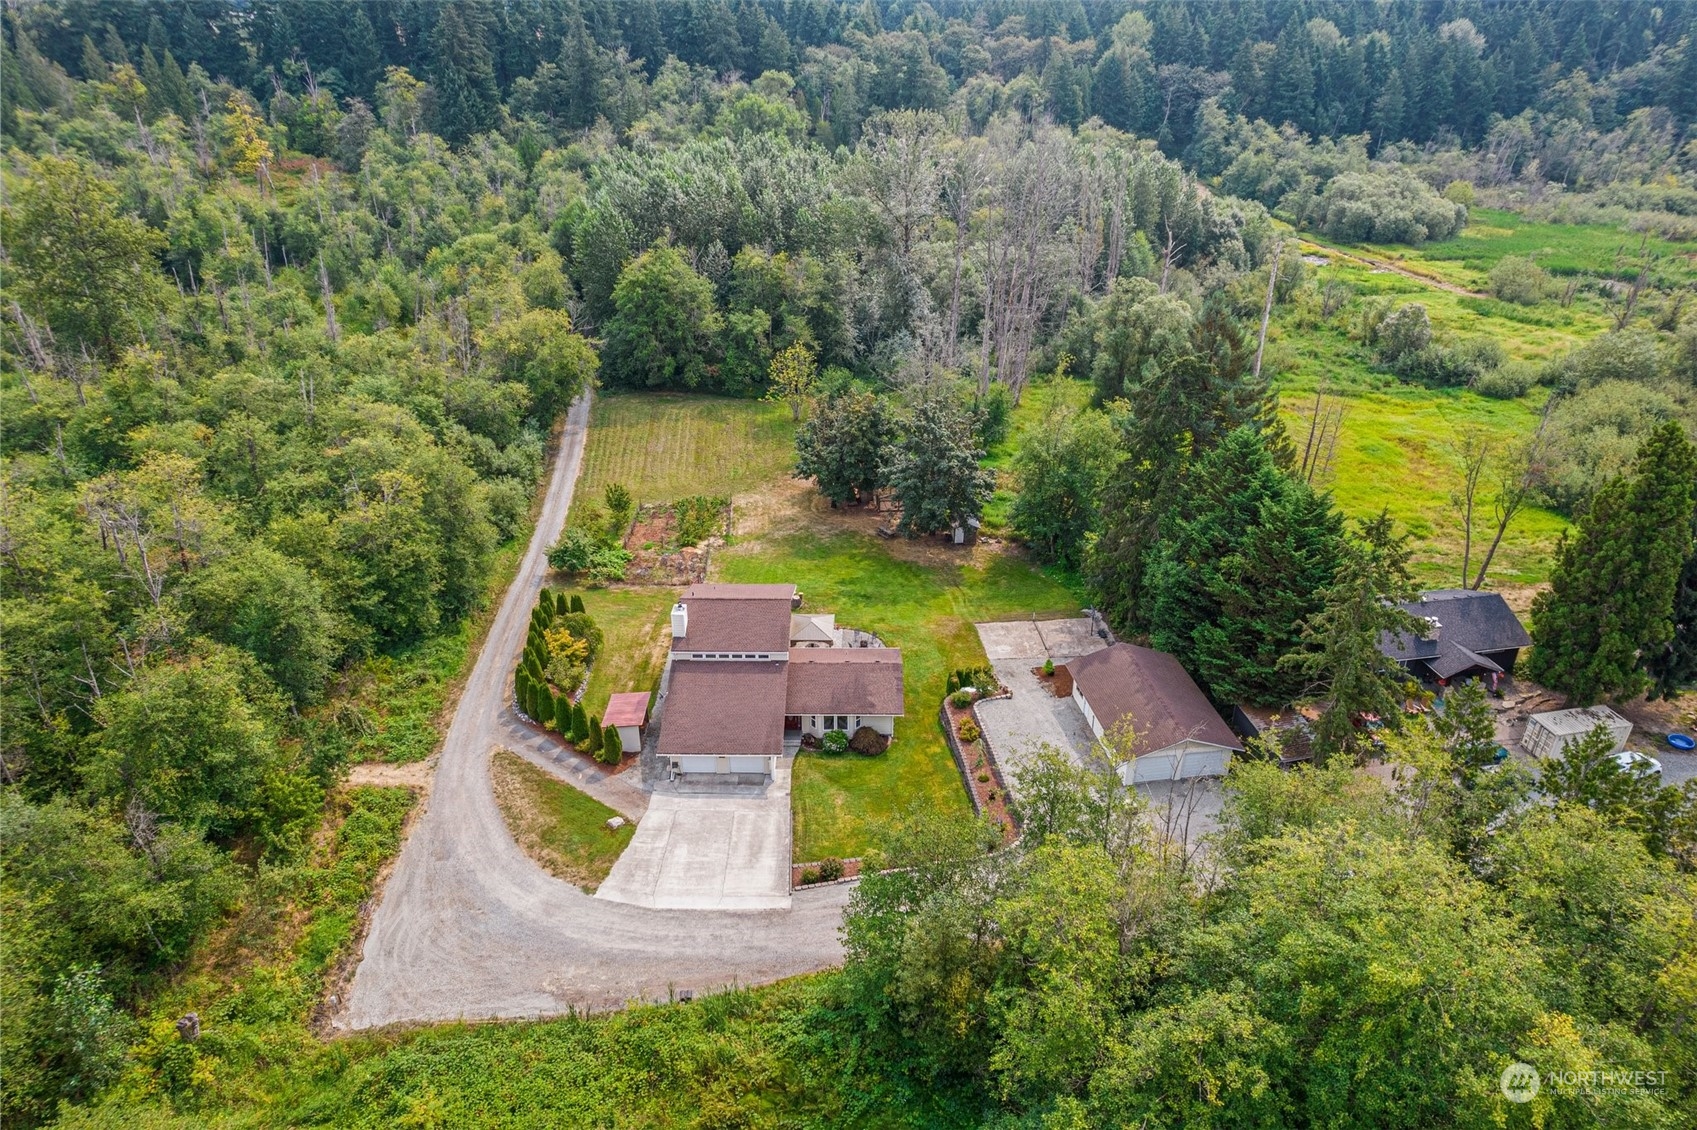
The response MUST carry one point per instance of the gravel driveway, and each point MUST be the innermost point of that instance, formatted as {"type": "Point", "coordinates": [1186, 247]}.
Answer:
{"type": "Point", "coordinates": [469, 927]}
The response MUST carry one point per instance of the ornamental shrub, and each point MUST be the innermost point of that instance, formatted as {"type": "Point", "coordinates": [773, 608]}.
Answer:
{"type": "Point", "coordinates": [968, 731]}
{"type": "Point", "coordinates": [830, 870]}
{"type": "Point", "coordinates": [612, 746]}
{"type": "Point", "coordinates": [809, 876]}
{"type": "Point", "coordinates": [868, 742]}
{"type": "Point", "coordinates": [593, 740]}
{"type": "Point", "coordinates": [961, 699]}
{"type": "Point", "coordinates": [577, 603]}
{"type": "Point", "coordinates": [544, 713]}
{"type": "Point", "coordinates": [580, 725]}
{"type": "Point", "coordinates": [834, 742]}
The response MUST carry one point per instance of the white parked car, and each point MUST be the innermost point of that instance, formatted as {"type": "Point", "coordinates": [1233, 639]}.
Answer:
{"type": "Point", "coordinates": [1638, 764]}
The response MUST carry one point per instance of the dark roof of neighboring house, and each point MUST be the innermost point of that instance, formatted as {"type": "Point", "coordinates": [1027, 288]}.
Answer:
{"type": "Point", "coordinates": [718, 707]}
{"type": "Point", "coordinates": [736, 618]}
{"type": "Point", "coordinates": [840, 680]}
{"type": "Point", "coordinates": [627, 709]}
{"type": "Point", "coordinates": [1470, 625]}
{"type": "Point", "coordinates": [1150, 687]}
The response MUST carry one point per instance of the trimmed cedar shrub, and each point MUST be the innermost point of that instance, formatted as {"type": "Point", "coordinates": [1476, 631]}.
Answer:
{"type": "Point", "coordinates": [577, 603]}
{"type": "Point", "coordinates": [612, 746]}
{"type": "Point", "coordinates": [594, 740]}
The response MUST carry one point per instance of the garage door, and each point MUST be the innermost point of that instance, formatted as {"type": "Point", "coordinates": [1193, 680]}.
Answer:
{"type": "Point", "coordinates": [1205, 763]}
{"type": "Point", "coordinates": [1153, 767]}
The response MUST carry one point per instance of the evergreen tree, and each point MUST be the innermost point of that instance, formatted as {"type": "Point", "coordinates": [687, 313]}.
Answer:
{"type": "Point", "coordinates": [1674, 668]}
{"type": "Point", "coordinates": [577, 602]}
{"type": "Point", "coordinates": [1467, 725]}
{"type": "Point", "coordinates": [593, 739]}
{"type": "Point", "coordinates": [463, 72]}
{"type": "Point", "coordinates": [1342, 659]}
{"type": "Point", "coordinates": [934, 471]}
{"type": "Point", "coordinates": [544, 709]}
{"type": "Point", "coordinates": [1244, 556]}
{"type": "Point", "coordinates": [580, 725]}
{"type": "Point", "coordinates": [1610, 605]}
{"type": "Point", "coordinates": [612, 746]}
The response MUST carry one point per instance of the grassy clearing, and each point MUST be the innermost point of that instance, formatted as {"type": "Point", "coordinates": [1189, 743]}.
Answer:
{"type": "Point", "coordinates": [925, 607]}
{"type": "Point", "coordinates": [665, 446]}
{"type": "Point", "coordinates": [1561, 249]}
{"type": "Point", "coordinates": [633, 652]}
{"type": "Point", "coordinates": [1398, 444]}
{"type": "Point", "coordinates": [561, 828]}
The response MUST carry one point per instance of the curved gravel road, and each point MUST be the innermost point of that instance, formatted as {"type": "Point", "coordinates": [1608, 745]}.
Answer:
{"type": "Point", "coordinates": [470, 928]}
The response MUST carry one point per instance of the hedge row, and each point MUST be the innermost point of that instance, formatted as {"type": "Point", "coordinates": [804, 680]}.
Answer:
{"type": "Point", "coordinates": [551, 707]}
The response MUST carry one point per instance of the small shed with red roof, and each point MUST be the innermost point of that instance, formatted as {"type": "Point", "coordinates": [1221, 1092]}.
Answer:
{"type": "Point", "coordinates": [628, 713]}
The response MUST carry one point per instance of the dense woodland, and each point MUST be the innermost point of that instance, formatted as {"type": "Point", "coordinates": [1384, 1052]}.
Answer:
{"type": "Point", "coordinates": [295, 295]}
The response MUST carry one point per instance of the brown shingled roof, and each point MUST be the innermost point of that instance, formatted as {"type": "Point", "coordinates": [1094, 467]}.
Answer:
{"type": "Point", "coordinates": [1164, 704]}
{"type": "Point", "coordinates": [724, 707]}
{"type": "Point", "coordinates": [736, 618]}
{"type": "Point", "coordinates": [840, 680]}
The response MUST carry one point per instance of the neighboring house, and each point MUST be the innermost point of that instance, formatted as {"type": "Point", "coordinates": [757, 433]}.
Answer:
{"type": "Point", "coordinates": [1178, 734]}
{"type": "Point", "coordinates": [627, 713]}
{"type": "Point", "coordinates": [1469, 634]}
{"type": "Point", "coordinates": [749, 676]}
{"type": "Point", "coordinates": [1549, 734]}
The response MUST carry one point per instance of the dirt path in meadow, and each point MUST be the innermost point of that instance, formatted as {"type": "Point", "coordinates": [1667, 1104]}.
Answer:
{"type": "Point", "coordinates": [1396, 269]}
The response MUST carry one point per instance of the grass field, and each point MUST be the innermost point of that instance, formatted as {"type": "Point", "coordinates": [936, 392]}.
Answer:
{"type": "Point", "coordinates": [926, 608]}
{"type": "Point", "coordinates": [563, 829]}
{"type": "Point", "coordinates": [633, 650]}
{"type": "Point", "coordinates": [664, 446]}
{"type": "Point", "coordinates": [1562, 249]}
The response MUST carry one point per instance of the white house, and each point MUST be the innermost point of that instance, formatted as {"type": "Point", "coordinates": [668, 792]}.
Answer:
{"type": "Point", "coordinates": [747, 678]}
{"type": "Point", "coordinates": [1178, 734]}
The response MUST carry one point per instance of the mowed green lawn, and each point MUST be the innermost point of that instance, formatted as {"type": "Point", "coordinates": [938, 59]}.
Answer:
{"type": "Point", "coordinates": [665, 446]}
{"type": "Point", "coordinates": [926, 609]}
{"type": "Point", "coordinates": [635, 631]}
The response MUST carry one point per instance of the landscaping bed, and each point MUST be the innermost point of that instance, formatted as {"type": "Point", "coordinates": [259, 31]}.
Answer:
{"type": "Point", "coordinates": [671, 543]}
{"type": "Point", "coordinates": [823, 871]}
{"type": "Point", "coordinates": [977, 763]}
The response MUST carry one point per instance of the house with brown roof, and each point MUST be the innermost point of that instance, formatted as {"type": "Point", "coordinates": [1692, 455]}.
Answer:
{"type": "Point", "coordinates": [748, 677]}
{"type": "Point", "coordinates": [1178, 733]}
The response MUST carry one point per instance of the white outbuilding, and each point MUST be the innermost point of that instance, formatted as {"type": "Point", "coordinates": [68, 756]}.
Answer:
{"type": "Point", "coordinates": [1178, 734]}
{"type": "Point", "coordinates": [1549, 734]}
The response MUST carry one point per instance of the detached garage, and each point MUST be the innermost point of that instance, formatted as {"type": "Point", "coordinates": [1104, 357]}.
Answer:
{"type": "Point", "coordinates": [1178, 733]}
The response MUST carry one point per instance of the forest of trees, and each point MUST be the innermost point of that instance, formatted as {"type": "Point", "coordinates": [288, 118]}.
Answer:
{"type": "Point", "coordinates": [294, 298]}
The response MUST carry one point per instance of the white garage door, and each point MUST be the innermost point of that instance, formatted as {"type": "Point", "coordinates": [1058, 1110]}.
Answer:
{"type": "Point", "coordinates": [1205, 763]}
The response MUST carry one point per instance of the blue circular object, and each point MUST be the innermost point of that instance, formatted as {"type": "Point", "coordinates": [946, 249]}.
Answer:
{"type": "Point", "coordinates": [1682, 741]}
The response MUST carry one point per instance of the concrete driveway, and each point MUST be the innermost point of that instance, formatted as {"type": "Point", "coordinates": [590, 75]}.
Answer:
{"type": "Point", "coordinates": [1016, 726]}
{"type": "Point", "coordinates": [707, 852]}
{"type": "Point", "coordinates": [469, 927]}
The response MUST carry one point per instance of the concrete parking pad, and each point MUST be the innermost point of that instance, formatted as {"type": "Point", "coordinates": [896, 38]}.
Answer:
{"type": "Point", "coordinates": [1016, 726]}
{"type": "Point", "coordinates": [1068, 639]}
{"type": "Point", "coordinates": [1010, 639]}
{"type": "Point", "coordinates": [700, 851]}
